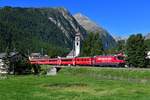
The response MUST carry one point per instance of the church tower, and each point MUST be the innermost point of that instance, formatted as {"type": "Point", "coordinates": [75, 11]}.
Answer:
{"type": "Point", "coordinates": [77, 45]}
{"type": "Point", "coordinates": [75, 52]}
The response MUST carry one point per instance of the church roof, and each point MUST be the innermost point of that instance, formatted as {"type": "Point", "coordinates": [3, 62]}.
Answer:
{"type": "Point", "coordinates": [71, 54]}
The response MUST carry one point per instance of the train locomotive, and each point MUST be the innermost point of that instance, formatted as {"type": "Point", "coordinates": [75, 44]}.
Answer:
{"type": "Point", "coordinates": [108, 60]}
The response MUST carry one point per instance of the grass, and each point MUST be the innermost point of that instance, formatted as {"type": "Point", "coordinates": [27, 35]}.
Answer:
{"type": "Point", "coordinates": [79, 84]}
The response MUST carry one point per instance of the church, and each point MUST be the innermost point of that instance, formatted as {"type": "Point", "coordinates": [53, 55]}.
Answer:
{"type": "Point", "coordinates": [75, 52]}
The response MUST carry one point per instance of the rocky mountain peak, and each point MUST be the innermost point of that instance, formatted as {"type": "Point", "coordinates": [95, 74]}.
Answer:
{"type": "Point", "coordinates": [88, 24]}
{"type": "Point", "coordinates": [81, 16]}
{"type": "Point", "coordinates": [91, 26]}
{"type": "Point", "coordinates": [63, 10]}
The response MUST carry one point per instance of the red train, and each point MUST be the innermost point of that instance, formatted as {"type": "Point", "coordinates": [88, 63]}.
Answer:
{"type": "Point", "coordinates": [117, 60]}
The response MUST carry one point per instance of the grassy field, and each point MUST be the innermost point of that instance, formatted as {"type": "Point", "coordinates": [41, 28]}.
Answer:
{"type": "Point", "coordinates": [79, 84]}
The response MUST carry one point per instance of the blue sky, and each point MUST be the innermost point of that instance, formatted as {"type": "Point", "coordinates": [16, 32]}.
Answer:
{"type": "Point", "coordinates": [119, 17]}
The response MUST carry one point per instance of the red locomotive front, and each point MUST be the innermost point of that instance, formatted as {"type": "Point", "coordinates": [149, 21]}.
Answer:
{"type": "Point", "coordinates": [109, 61]}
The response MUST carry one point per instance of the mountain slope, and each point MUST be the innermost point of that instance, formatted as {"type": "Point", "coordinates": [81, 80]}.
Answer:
{"type": "Point", "coordinates": [90, 26]}
{"type": "Point", "coordinates": [30, 29]}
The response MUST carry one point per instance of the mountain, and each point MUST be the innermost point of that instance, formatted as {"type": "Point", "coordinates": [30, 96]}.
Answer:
{"type": "Point", "coordinates": [147, 36]}
{"type": "Point", "coordinates": [90, 26]}
{"type": "Point", "coordinates": [34, 29]}
{"type": "Point", "coordinates": [118, 38]}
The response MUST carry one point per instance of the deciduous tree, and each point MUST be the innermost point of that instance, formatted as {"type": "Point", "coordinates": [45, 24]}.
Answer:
{"type": "Point", "coordinates": [92, 45]}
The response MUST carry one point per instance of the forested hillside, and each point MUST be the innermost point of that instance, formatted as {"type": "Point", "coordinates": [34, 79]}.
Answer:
{"type": "Point", "coordinates": [33, 29]}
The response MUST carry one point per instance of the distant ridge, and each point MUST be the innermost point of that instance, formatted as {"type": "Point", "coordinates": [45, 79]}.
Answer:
{"type": "Point", "coordinates": [147, 36]}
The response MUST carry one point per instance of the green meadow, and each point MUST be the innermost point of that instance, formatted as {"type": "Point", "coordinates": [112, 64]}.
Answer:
{"type": "Point", "coordinates": [79, 84]}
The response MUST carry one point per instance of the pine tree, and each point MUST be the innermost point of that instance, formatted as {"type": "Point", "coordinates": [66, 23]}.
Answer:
{"type": "Point", "coordinates": [135, 50]}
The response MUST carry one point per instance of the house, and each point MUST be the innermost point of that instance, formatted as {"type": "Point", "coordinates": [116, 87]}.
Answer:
{"type": "Point", "coordinates": [35, 55]}
{"type": "Point", "coordinates": [71, 54]}
{"type": "Point", "coordinates": [3, 65]}
{"type": "Point", "coordinates": [148, 55]}
{"type": "Point", "coordinates": [8, 61]}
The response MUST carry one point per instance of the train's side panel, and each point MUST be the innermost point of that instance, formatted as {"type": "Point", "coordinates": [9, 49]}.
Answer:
{"type": "Point", "coordinates": [67, 61]}
{"type": "Point", "coordinates": [53, 61]}
{"type": "Point", "coordinates": [39, 61]}
{"type": "Point", "coordinates": [107, 60]}
{"type": "Point", "coordinates": [44, 61]}
{"type": "Point", "coordinates": [83, 61]}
